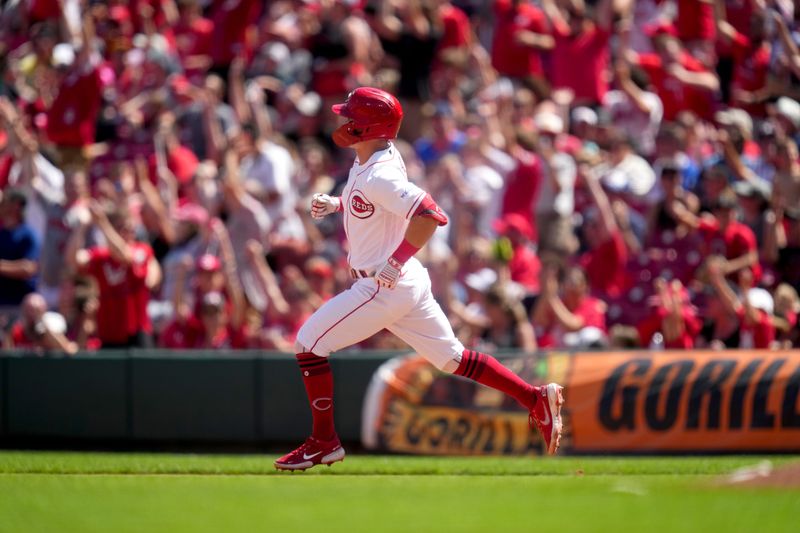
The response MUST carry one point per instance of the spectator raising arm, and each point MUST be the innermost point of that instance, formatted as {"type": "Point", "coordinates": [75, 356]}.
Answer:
{"type": "Point", "coordinates": [236, 94]}
{"type": "Point", "coordinates": [235, 193]}
{"type": "Point", "coordinates": [166, 181]}
{"type": "Point", "coordinates": [605, 12]}
{"type": "Point", "coordinates": [278, 304]}
{"type": "Point", "coordinates": [254, 96]}
{"type": "Point", "coordinates": [622, 72]}
{"type": "Point", "coordinates": [734, 159]}
{"type": "Point", "coordinates": [232, 281]}
{"type": "Point", "coordinates": [790, 48]}
{"type": "Point", "coordinates": [215, 138]}
{"type": "Point", "coordinates": [116, 244]}
{"type": "Point", "coordinates": [774, 232]}
{"type": "Point", "coordinates": [705, 80]}
{"type": "Point", "coordinates": [672, 324]}
{"type": "Point", "coordinates": [153, 200]}
{"type": "Point", "coordinates": [600, 199]}
{"type": "Point", "coordinates": [552, 303]}
{"type": "Point", "coordinates": [716, 273]}
{"type": "Point", "coordinates": [76, 255]}
{"type": "Point", "coordinates": [182, 311]}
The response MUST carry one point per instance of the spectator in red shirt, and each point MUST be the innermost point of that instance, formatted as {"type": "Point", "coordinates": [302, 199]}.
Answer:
{"type": "Point", "coordinates": [581, 39]}
{"type": "Point", "coordinates": [234, 31]}
{"type": "Point", "coordinates": [214, 276]}
{"type": "Point", "coordinates": [520, 36]}
{"type": "Point", "coordinates": [218, 329]}
{"type": "Point", "coordinates": [193, 37]}
{"type": "Point", "coordinates": [523, 182]}
{"type": "Point", "coordinates": [573, 314]}
{"type": "Point", "coordinates": [726, 236]}
{"type": "Point", "coordinates": [319, 273]}
{"type": "Point", "coordinates": [603, 262]}
{"type": "Point", "coordinates": [524, 264]}
{"type": "Point", "coordinates": [695, 24]}
{"type": "Point", "coordinates": [39, 330]}
{"type": "Point", "coordinates": [673, 322]}
{"type": "Point", "coordinates": [72, 117]}
{"type": "Point", "coordinates": [681, 81]}
{"type": "Point", "coordinates": [753, 309]}
{"type": "Point", "coordinates": [125, 271]}
{"type": "Point", "coordinates": [172, 158]}
{"type": "Point", "coordinates": [39, 10]}
{"type": "Point", "coordinates": [456, 29]}
{"type": "Point", "coordinates": [751, 54]}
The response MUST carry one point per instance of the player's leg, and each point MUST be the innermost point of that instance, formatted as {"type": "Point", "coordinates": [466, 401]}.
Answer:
{"type": "Point", "coordinates": [346, 319]}
{"type": "Point", "coordinates": [427, 330]}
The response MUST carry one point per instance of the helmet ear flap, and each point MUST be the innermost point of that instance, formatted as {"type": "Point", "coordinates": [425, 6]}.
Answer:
{"type": "Point", "coordinates": [345, 135]}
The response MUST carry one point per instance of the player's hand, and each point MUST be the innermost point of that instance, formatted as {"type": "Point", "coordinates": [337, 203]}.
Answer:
{"type": "Point", "coordinates": [389, 274]}
{"type": "Point", "coordinates": [323, 205]}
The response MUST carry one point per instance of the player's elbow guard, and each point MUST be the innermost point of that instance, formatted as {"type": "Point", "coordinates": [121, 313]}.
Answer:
{"type": "Point", "coordinates": [428, 208]}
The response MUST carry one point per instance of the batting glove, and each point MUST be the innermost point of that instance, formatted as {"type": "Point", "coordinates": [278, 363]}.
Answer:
{"type": "Point", "coordinates": [389, 274]}
{"type": "Point", "coordinates": [323, 205]}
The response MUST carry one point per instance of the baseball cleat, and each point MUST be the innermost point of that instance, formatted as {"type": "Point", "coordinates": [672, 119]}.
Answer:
{"type": "Point", "coordinates": [546, 414]}
{"type": "Point", "coordinates": [312, 452]}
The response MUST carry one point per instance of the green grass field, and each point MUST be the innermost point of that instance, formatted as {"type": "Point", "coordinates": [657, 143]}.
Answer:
{"type": "Point", "coordinates": [116, 492]}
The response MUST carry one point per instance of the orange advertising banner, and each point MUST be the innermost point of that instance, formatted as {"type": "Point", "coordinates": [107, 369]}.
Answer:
{"type": "Point", "coordinates": [683, 401]}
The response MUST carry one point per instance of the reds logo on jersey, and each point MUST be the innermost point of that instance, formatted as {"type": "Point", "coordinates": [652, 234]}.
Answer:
{"type": "Point", "coordinates": [360, 207]}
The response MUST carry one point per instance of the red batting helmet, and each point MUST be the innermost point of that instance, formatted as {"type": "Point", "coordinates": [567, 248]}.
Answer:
{"type": "Point", "coordinates": [373, 114]}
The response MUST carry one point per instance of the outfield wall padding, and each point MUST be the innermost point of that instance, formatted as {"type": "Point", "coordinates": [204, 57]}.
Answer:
{"type": "Point", "coordinates": [79, 398]}
{"type": "Point", "coordinates": [151, 396]}
{"type": "Point", "coordinates": [618, 402]}
{"type": "Point", "coordinates": [3, 394]}
{"type": "Point", "coordinates": [198, 399]}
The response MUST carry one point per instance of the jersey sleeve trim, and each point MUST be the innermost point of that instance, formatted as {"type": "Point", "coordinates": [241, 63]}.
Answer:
{"type": "Point", "coordinates": [413, 208]}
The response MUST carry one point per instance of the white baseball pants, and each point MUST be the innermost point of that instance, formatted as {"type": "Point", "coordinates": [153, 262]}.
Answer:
{"type": "Point", "coordinates": [409, 311]}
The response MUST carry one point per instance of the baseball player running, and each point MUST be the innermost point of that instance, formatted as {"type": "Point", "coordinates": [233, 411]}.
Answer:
{"type": "Point", "coordinates": [387, 220]}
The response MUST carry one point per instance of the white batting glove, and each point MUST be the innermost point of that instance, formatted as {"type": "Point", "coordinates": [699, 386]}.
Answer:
{"type": "Point", "coordinates": [389, 274]}
{"type": "Point", "coordinates": [323, 205]}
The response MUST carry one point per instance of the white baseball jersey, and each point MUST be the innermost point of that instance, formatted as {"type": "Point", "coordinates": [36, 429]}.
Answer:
{"type": "Point", "coordinates": [378, 202]}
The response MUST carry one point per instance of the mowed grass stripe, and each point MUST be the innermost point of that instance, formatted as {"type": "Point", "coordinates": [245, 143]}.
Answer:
{"type": "Point", "coordinates": [388, 503]}
{"type": "Point", "coordinates": [190, 464]}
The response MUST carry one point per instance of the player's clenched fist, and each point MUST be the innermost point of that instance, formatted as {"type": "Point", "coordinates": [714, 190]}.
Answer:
{"type": "Point", "coordinates": [388, 275]}
{"type": "Point", "coordinates": [323, 205]}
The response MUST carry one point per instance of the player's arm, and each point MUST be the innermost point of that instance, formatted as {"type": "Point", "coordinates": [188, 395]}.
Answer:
{"type": "Point", "coordinates": [425, 219]}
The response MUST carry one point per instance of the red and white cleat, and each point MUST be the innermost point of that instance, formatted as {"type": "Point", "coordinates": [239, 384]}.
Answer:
{"type": "Point", "coordinates": [312, 452]}
{"type": "Point", "coordinates": [546, 414]}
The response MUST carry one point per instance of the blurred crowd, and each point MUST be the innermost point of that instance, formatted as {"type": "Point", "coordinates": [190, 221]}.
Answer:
{"type": "Point", "coordinates": [618, 173]}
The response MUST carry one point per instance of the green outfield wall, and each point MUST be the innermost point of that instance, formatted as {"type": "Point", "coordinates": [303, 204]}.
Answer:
{"type": "Point", "coordinates": [161, 396]}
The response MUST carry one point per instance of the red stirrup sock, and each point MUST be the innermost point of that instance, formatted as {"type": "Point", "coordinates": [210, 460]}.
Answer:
{"type": "Point", "coordinates": [318, 379]}
{"type": "Point", "coordinates": [488, 371]}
